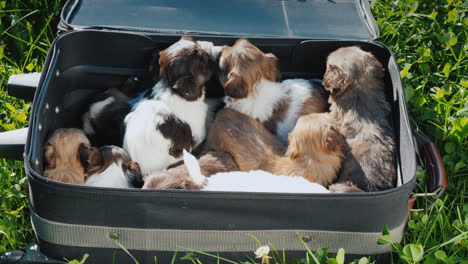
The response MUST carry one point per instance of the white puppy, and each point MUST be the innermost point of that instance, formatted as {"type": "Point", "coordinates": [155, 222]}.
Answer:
{"type": "Point", "coordinates": [252, 181]}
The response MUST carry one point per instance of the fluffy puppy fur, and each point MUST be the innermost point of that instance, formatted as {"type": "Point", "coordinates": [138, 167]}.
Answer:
{"type": "Point", "coordinates": [158, 129]}
{"type": "Point", "coordinates": [314, 152]}
{"type": "Point", "coordinates": [103, 122]}
{"type": "Point", "coordinates": [251, 84]}
{"type": "Point", "coordinates": [247, 140]}
{"type": "Point", "coordinates": [252, 181]}
{"type": "Point", "coordinates": [344, 187]}
{"type": "Point", "coordinates": [179, 177]}
{"type": "Point", "coordinates": [109, 166]}
{"type": "Point", "coordinates": [62, 162]}
{"type": "Point", "coordinates": [362, 113]}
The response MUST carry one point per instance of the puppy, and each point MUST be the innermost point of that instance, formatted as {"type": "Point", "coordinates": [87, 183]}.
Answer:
{"type": "Point", "coordinates": [174, 118]}
{"type": "Point", "coordinates": [251, 84]}
{"type": "Point", "coordinates": [253, 181]}
{"type": "Point", "coordinates": [179, 177]}
{"type": "Point", "coordinates": [103, 122]}
{"type": "Point", "coordinates": [315, 149]}
{"type": "Point", "coordinates": [362, 113]}
{"type": "Point", "coordinates": [109, 166]}
{"type": "Point", "coordinates": [61, 157]}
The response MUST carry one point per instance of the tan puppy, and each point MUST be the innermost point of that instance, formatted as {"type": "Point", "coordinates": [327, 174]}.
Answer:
{"type": "Point", "coordinates": [355, 79]}
{"type": "Point", "coordinates": [315, 149]}
{"type": "Point", "coordinates": [62, 162]}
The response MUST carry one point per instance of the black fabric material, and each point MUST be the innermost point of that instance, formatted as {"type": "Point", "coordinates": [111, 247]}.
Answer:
{"type": "Point", "coordinates": [106, 255]}
{"type": "Point", "coordinates": [327, 19]}
{"type": "Point", "coordinates": [183, 209]}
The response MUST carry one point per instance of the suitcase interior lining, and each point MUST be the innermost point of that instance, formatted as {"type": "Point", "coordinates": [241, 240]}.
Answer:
{"type": "Point", "coordinates": [87, 62]}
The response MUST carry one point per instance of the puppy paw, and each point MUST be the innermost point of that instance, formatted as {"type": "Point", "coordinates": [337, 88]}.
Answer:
{"type": "Point", "coordinates": [133, 171]}
{"type": "Point", "coordinates": [344, 187]}
{"type": "Point", "coordinates": [163, 180]}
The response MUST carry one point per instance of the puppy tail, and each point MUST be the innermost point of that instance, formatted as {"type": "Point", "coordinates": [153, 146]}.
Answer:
{"type": "Point", "coordinates": [194, 168]}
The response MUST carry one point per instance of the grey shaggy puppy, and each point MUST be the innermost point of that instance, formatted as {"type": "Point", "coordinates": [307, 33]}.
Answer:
{"type": "Point", "coordinates": [355, 79]}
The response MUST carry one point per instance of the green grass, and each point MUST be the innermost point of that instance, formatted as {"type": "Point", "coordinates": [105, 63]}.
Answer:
{"type": "Point", "coordinates": [429, 39]}
{"type": "Point", "coordinates": [27, 28]}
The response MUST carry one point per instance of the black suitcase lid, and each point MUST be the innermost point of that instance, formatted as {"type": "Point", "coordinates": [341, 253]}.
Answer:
{"type": "Point", "coordinates": [312, 19]}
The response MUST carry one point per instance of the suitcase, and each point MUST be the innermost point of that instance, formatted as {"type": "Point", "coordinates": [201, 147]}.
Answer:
{"type": "Point", "coordinates": [101, 43]}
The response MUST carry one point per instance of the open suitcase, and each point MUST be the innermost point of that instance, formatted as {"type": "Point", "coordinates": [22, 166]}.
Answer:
{"type": "Point", "coordinates": [101, 43]}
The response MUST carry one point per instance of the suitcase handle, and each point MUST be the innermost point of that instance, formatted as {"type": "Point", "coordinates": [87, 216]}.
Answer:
{"type": "Point", "coordinates": [12, 143]}
{"type": "Point", "coordinates": [23, 85]}
{"type": "Point", "coordinates": [429, 157]}
{"type": "Point", "coordinates": [432, 162]}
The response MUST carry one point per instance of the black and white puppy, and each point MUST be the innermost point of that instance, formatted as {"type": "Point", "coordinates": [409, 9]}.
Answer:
{"type": "Point", "coordinates": [103, 122]}
{"type": "Point", "coordinates": [174, 117]}
{"type": "Point", "coordinates": [109, 166]}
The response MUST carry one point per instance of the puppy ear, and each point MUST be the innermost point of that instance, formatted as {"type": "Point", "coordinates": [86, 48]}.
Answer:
{"type": "Point", "coordinates": [336, 78]}
{"type": "Point", "coordinates": [333, 141]}
{"type": "Point", "coordinates": [90, 157]}
{"type": "Point", "coordinates": [83, 154]}
{"type": "Point", "coordinates": [50, 156]}
{"type": "Point", "coordinates": [133, 172]}
{"type": "Point", "coordinates": [270, 71]}
{"type": "Point", "coordinates": [235, 87]}
{"type": "Point", "coordinates": [163, 66]}
{"type": "Point", "coordinates": [294, 150]}
{"type": "Point", "coordinates": [206, 65]}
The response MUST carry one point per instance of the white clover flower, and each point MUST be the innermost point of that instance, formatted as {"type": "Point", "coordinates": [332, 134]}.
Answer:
{"type": "Point", "coordinates": [262, 252]}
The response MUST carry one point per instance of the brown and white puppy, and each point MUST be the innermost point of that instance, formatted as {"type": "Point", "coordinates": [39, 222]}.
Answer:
{"type": "Point", "coordinates": [62, 162]}
{"type": "Point", "coordinates": [179, 177]}
{"type": "Point", "coordinates": [109, 166]}
{"type": "Point", "coordinates": [251, 84]}
{"type": "Point", "coordinates": [315, 149]}
{"type": "Point", "coordinates": [355, 79]}
{"type": "Point", "coordinates": [103, 122]}
{"type": "Point", "coordinates": [174, 118]}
